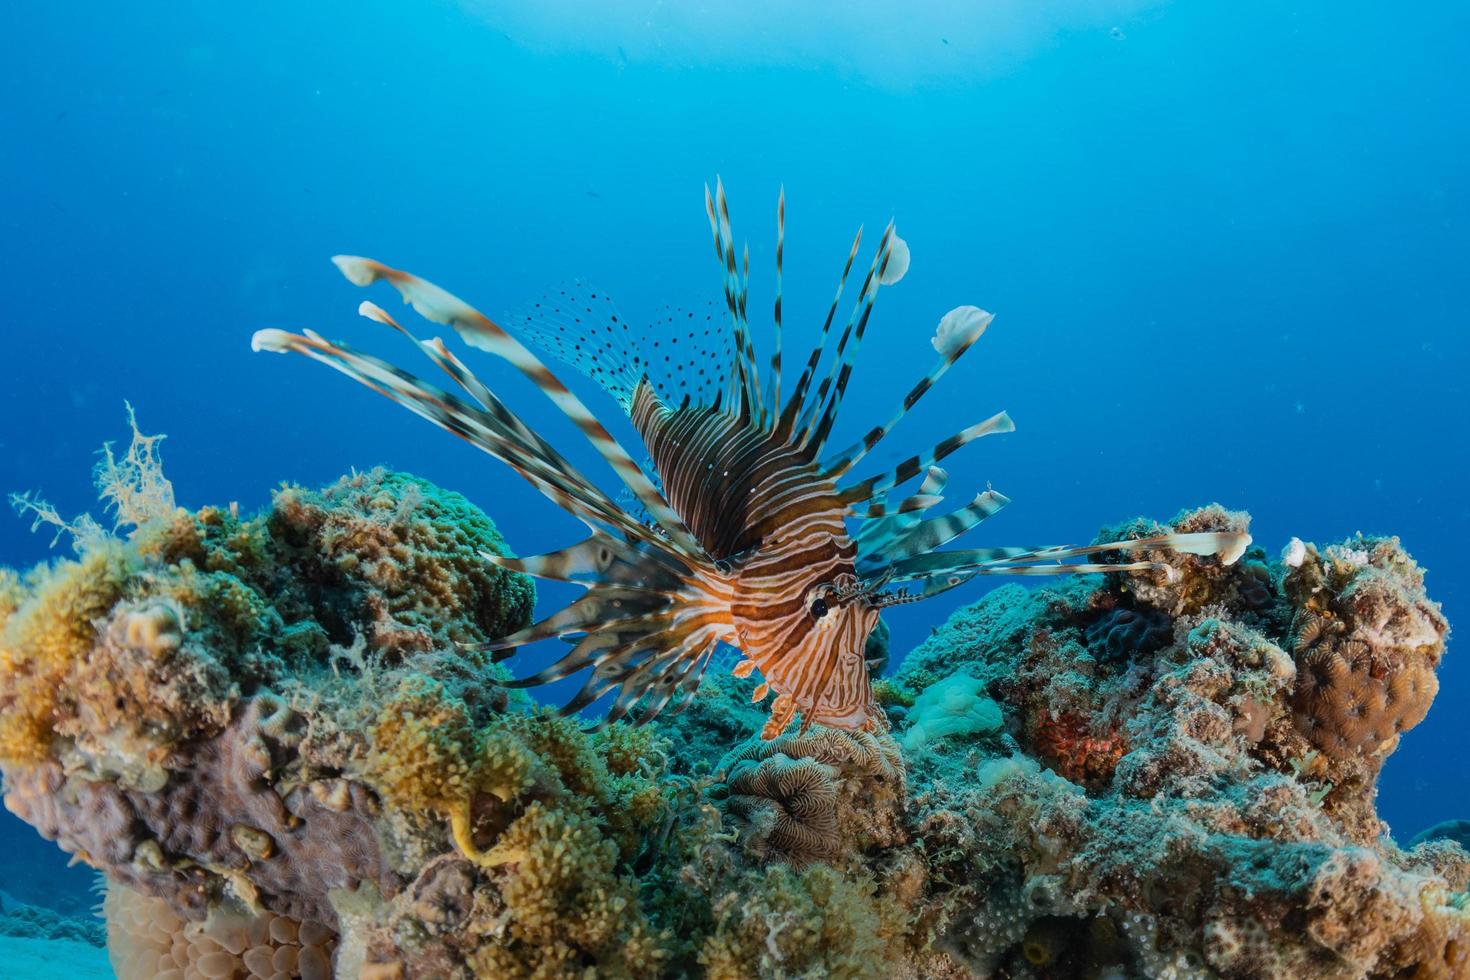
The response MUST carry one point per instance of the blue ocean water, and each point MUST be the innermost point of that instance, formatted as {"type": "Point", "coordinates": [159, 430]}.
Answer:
{"type": "Point", "coordinates": [1227, 245]}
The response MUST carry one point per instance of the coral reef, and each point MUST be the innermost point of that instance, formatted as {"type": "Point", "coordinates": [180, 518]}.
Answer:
{"type": "Point", "coordinates": [184, 709]}
{"type": "Point", "coordinates": [277, 738]}
{"type": "Point", "coordinates": [36, 922]}
{"type": "Point", "coordinates": [1165, 809]}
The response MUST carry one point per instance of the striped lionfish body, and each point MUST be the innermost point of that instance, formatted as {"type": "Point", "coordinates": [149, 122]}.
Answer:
{"type": "Point", "coordinates": [744, 534]}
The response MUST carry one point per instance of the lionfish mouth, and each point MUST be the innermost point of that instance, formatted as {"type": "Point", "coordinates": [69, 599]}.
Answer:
{"type": "Point", "coordinates": [734, 456]}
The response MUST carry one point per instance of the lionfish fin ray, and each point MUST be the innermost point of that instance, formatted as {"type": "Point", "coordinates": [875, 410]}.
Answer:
{"type": "Point", "coordinates": [602, 559]}
{"type": "Point", "coordinates": [824, 409]}
{"type": "Point", "coordinates": [914, 465]}
{"type": "Point", "coordinates": [844, 461]}
{"type": "Point", "coordinates": [477, 330]}
{"type": "Point", "coordinates": [793, 408]}
{"type": "Point", "coordinates": [1226, 545]}
{"type": "Point", "coordinates": [925, 536]}
{"type": "Point", "coordinates": [492, 428]}
{"type": "Point", "coordinates": [775, 400]}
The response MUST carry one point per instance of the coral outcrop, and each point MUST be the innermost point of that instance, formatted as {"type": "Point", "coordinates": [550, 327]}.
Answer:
{"type": "Point", "coordinates": [276, 737]}
{"type": "Point", "coordinates": [1200, 805]}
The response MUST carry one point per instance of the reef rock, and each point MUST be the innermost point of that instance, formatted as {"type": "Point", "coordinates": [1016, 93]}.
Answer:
{"type": "Point", "coordinates": [276, 738]}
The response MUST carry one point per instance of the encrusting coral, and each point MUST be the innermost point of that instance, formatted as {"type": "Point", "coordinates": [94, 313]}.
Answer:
{"type": "Point", "coordinates": [277, 738]}
{"type": "Point", "coordinates": [1174, 800]}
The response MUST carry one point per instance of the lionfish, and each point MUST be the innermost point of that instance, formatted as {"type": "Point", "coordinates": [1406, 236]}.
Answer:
{"type": "Point", "coordinates": [740, 533]}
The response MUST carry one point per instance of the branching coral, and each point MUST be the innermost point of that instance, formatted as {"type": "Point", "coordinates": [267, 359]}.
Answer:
{"type": "Point", "coordinates": [134, 488]}
{"type": "Point", "coordinates": [564, 902]}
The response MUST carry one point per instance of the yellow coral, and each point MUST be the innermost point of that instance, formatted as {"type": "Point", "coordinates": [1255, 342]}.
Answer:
{"type": "Point", "coordinates": [12, 594]}
{"type": "Point", "coordinates": [816, 922]}
{"type": "Point", "coordinates": [423, 749]}
{"type": "Point", "coordinates": [565, 903]}
{"type": "Point", "coordinates": [45, 637]}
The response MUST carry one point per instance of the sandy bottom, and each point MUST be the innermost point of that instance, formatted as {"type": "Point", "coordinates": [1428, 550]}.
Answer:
{"type": "Point", "coordinates": [45, 959]}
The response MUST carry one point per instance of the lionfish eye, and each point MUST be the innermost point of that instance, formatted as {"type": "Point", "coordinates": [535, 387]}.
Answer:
{"type": "Point", "coordinates": [819, 608]}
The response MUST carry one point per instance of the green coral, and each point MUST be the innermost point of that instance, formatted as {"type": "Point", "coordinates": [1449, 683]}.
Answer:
{"type": "Point", "coordinates": [409, 554]}
{"type": "Point", "coordinates": [244, 604]}
{"type": "Point", "coordinates": [290, 709]}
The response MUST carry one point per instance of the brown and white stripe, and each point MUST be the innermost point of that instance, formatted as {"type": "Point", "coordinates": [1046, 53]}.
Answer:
{"type": "Point", "coordinates": [748, 543]}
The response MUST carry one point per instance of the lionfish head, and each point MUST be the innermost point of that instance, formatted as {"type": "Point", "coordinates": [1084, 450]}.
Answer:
{"type": "Point", "coordinates": [832, 635]}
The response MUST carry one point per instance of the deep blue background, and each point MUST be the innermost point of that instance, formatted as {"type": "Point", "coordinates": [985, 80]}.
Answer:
{"type": "Point", "coordinates": [1226, 245]}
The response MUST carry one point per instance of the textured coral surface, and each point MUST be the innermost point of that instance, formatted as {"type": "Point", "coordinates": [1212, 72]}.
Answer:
{"type": "Point", "coordinates": [276, 739]}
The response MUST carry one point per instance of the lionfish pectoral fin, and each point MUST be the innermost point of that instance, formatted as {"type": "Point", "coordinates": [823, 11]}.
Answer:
{"type": "Point", "coordinates": [439, 306]}
{"type": "Point", "coordinates": [924, 536]}
{"type": "Point", "coordinates": [783, 709]}
{"type": "Point", "coordinates": [914, 465]}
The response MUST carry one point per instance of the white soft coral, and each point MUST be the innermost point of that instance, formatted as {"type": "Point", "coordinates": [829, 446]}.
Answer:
{"type": "Point", "coordinates": [134, 487]}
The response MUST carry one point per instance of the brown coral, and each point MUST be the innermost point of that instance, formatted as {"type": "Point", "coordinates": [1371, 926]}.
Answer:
{"type": "Point", "coordinates": [394, 797]}
{"type": "Point", "coordinates": [407, 554]}
{"type": "Point", "coordinates": [1367, 642]}
{"type": "Point", "coordinates": [789, 808]}
{"type": "Point", "coordinates": [1187, 583]}
{"type": "Point", "coordinates": [218, 825]}
{"type": "Point", "coordinates": [815, 796]}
